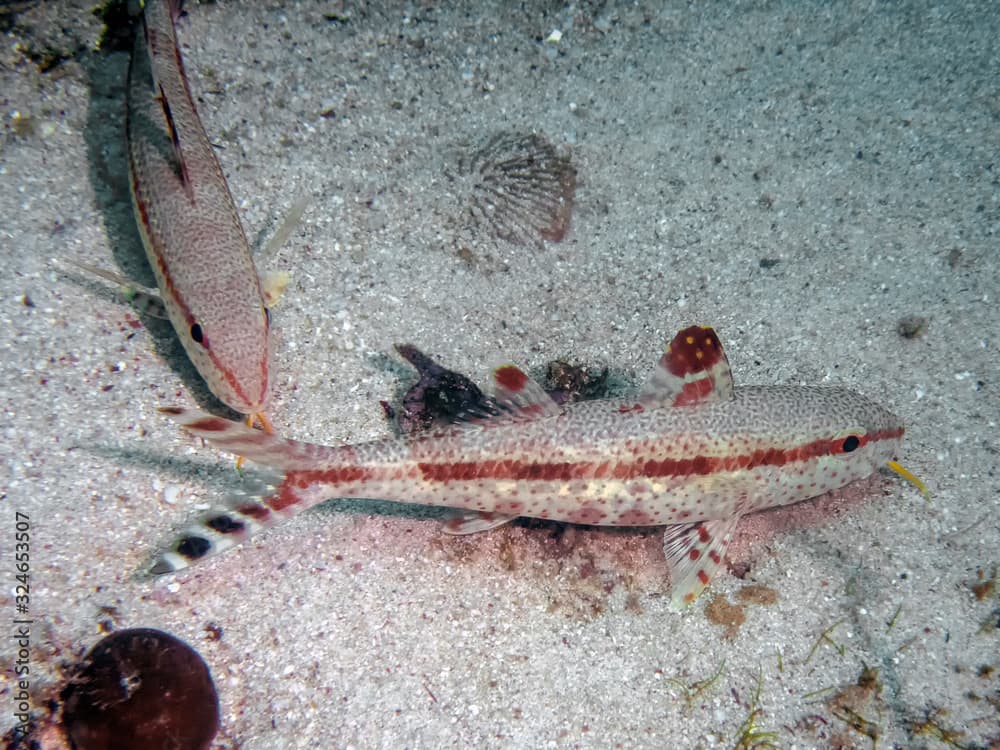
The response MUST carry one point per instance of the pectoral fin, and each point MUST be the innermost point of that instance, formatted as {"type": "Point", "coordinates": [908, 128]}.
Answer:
{"type": "Point", "coordinates": [472, 522]}
{"type": "Point", "coordinates": [145, 301]}
{"type": "Point", "coordinates": [694, 553]}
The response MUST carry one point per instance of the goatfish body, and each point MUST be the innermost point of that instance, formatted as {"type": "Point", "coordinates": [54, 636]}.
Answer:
{"type": "Point", "coordinates": [190, 228]}
{"type": "Point", "coordinates": [691, 453]}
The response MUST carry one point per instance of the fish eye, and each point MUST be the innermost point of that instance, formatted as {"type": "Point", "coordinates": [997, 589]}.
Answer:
{"type": "Point", "coordinates": [851, 443]}
{"type": "Point", "coordinates": [267, 317]}
{"type": "Point", "coordinates": [198, 335]}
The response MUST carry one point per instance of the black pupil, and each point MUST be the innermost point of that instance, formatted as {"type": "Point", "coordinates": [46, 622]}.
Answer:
{"type": "Point", "coordinates": [196, 333]}
{"type": "Point", "coordinates": [851, 443]}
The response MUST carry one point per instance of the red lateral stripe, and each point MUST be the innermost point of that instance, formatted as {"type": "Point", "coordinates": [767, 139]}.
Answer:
{"type": "Point", "coordinates": [287, 494]}
{"type": "Point", "coordinates": [651, 468]}
{"type": "Point", "coordinates": [340, 475]}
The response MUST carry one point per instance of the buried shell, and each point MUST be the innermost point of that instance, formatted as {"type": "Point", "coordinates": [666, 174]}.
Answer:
{"type": "Point", "coordinates": [523, 188]}
{"type": "Point", "coordinates": [141, 688]}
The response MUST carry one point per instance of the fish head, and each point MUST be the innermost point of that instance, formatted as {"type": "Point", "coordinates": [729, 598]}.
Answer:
{"type": "Point", "coordinates": [880, 437]}
{"type": "Point", "coordinates": [849, 436]}
{"type": "Point", "coordinates": [228, 343]}
{"type": "Point", "coordinates": [810, 440]}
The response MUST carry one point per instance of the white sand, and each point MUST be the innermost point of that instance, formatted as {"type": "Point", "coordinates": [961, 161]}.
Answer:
{"type": "Point", "coordinates": [858, 146]}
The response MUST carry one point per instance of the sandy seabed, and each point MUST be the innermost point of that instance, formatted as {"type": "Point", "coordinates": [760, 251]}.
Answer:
{"type": "Point", "coordinates": [803, 177]}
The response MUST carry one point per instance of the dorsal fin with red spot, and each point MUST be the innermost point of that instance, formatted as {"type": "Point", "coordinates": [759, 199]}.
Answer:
{"type": "Point", "coordinates": [517, 394]}
{"type": "Point", "coordinates": [693, 370]}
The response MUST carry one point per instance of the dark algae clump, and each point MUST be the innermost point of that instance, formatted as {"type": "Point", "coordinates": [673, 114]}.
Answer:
{"type": "Point", "coordinates": [440, 397]}
{"type": "Point", "coordinates": [141, 689]}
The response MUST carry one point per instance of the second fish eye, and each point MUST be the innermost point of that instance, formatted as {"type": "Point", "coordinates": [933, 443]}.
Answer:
{"type": "Point", "coordinates": [196, 334]}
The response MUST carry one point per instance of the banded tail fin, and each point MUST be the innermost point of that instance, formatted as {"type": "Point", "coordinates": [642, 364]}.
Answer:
{"type": "Point", "coordinates": [266, 498]}
{"type": "Point", "coordinates": [249, 511]}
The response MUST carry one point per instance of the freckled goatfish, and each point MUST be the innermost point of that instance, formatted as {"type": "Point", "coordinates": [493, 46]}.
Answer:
{"type": "Point", "coordinates": [691, 453]}
{"type": "Point", "coordinates": [194, 241]}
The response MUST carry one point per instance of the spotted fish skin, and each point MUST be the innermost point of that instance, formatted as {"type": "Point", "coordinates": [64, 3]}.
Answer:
{"type": "Point", "coordinates": [692, 453]}
{"type": "Point", "coordinates": [189, 224]}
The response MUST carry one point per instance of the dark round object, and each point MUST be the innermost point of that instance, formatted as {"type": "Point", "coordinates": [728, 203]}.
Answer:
{"type": "Point", "coordinates": [141, 689]}
{"type": "Point", "coordinates": [851, 443]}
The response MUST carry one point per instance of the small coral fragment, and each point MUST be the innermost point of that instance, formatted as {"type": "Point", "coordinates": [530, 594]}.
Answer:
{"type": "Point", "coordinates": [931, 726]}
{"type": "Point", "coordinates": [721, 611]}
{"type": "Point", "coordinates": [756, 593]}
{"type": "Point", "coordinates": [852, 703]}
{"type": "Point", "coordinates": [912, 326]}
{"type": "Point", "coordinates": [984, 586]}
